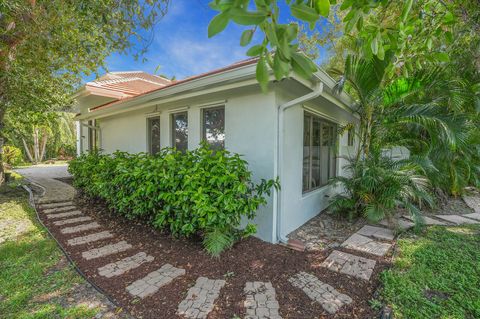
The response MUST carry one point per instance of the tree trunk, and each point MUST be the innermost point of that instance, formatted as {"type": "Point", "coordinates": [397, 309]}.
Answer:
{"type": "Point", "coordinates": [43, 144]}
{"type": "Point", "coordinates": [27, 150]}
{"type": "Point", "coordinates": [36, 153]}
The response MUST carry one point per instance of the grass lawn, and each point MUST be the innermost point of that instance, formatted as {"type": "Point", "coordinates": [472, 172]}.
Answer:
{"type": "Point", "coordinates": [436, 275]}
{"type": "Point", "coordinates": [32, 282]}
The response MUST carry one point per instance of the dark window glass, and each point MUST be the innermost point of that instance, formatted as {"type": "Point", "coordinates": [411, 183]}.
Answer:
{"type": "Point", "coordinates": [351, 136]}
{"type": "Point", "coordinates": [214, 127]}
{"type": "Point", "coordinates": [306, 151]}
{"type": "Point", "coordinates": [319, 157]}
{"type": "Point", "coordinates": [154, 135]}
{"type": "Point", "coordinates": [180, 131]}
{"type": "Point", "coordinates": [93, 136]}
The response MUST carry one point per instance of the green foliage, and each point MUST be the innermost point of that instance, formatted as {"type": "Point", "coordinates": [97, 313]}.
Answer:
{"type": "Point", "coordinates": [377, 185]}
{"type": "Point", "coordinates": [435, 275]}
{"type": "Point", "coordinates": [429, 112]}
{"type": "Point", "coordinates": [203, 191]}
{"type": "Point", "coordinates": [12, 155]}
{"type": "Point", "coordinates": [216, 241]}
{"type": "Point", "coordinates": [380, 28]}
{"type": "Point", "coordinates": [30, 261]}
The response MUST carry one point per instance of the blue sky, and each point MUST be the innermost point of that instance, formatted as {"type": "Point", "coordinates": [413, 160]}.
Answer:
{"type": "Point", "coordinates": [181, 46]}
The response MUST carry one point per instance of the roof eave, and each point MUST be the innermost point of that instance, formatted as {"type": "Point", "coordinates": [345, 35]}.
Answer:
{"type": "Point", "coordinates": [237, 74]}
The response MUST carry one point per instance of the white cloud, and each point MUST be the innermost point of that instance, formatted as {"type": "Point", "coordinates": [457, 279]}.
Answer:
{"type": "Point", "coordinates": [190, 56]}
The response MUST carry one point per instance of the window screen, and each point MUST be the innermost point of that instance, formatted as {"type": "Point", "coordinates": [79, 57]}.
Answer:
{"type": "Point", "coordinates": [319, 152]}
{"type": "Point", "coordinates": [214, 127]}
{"type": "Point", "coordinates": [154, 135]}
{"type": "Point", "coordinates": [180, 131]}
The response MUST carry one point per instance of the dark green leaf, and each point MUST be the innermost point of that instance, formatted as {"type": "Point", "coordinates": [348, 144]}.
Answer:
{"type": "Point", "coordinates": [304, 12]}
{"type": "Point", "coordinates": [262, 73]}
{"type": "Point", "coordinates": [406, 9]}
{"type": "Point", "coordinates": [255, 50]}
{"type": "Point", "coordinates": [244, 17]}
{"type": "Point", "coordinates": [246, 37]}
{"type": "Point", "coordinates": [323, 7]}
{"type": "Point", "coordinates": [441, 56]}
{"type": "Point", "coordinates": [218, 24]}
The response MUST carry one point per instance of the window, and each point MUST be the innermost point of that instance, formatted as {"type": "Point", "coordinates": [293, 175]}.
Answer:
{"type": "Point", "coordinates": [213, 125]}
{"type": "Point", "coordinates": [180, 131]}
{"type": "Point", "coordinates": [93, 136]}
{"type": "Point", "coordinates": [351, 136]}
{"type": "Point", "coordinates": [319, 158]}
{"type": "Point", "coordinates": [153, 126]}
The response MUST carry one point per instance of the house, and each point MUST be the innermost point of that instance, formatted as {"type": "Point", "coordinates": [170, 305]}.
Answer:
{"type": "Point", "coordinates": [290, 132]}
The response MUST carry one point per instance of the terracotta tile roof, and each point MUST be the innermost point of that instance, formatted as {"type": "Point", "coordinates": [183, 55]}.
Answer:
{"type": "Point", "coordinates": [136, 74]}
{"type": "Point", "coordinates": [129, 83]}
{"type": "Point", "coordinates": [174, 83]}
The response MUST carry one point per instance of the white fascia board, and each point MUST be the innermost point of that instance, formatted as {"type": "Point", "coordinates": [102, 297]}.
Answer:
{"type": "Point", "coordinates": [245, 76]}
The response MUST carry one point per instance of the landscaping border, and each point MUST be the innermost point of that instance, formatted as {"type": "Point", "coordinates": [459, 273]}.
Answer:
{"type": "Point", "coordinates": [70, 261]}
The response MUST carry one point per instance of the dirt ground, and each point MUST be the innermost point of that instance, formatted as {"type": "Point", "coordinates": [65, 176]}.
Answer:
{"type": "Point", "coordinates": [248, 260]}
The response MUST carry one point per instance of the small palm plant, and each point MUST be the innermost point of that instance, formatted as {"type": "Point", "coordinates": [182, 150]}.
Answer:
{"type": "Point", "coordinates": [377, 185]}
{"type": "Point", "coordinates": [422, 113]}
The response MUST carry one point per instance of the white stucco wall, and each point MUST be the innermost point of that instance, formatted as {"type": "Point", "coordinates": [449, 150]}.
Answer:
{"type": "Point", "coordinates": [126, 132]}
{"type": "Point", "coordinates": [249, 131]}
{"type": "Point", "coordinates": [296, 207]}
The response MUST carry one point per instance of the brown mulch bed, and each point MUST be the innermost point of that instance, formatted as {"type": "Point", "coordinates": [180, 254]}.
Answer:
{"type": "Point", "coordinates": [249, 260]}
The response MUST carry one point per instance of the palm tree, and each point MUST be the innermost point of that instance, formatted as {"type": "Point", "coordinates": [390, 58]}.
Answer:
{"type": "Point", "coordinates": [422, 113]}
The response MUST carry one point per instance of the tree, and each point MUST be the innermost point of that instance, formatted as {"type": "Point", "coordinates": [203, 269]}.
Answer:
{"type": "Point", "coordinates": [46, 45]}
{"type": "Point", "coordinates": [40, 133]}
{"type": "Point", "coordinates": [279, 47]}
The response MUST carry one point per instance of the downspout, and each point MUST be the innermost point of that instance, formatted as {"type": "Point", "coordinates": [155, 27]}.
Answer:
{"type": "Point", "coordinates": [316, 92]}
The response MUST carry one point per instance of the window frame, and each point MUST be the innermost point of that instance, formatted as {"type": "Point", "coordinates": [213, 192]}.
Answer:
{"type": "Point", "coordinates": [330, 124]}
{"type": "Point", "coordinates": [149, 133]}
{"type": "Point", "coordinates": [93, 136]}
{"type": "Point", "coordinates": [173, 127]}
{"type": "Point", "coordinates": [202, 119]}
{"type": "Point", "coordinates": [351, 136]}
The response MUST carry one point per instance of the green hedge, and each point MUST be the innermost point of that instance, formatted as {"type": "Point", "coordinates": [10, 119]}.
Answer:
{"type": "Point", "coordinates": [203, 191]}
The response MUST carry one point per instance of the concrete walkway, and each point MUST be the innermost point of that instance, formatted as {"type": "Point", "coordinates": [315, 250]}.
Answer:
{"type": "Point", "coordinates": [44, 176]}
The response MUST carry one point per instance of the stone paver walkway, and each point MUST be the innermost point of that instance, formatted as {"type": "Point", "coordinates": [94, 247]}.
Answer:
{"type": "Point", "coordinates": [122, 266]}
{"type": "Point", "coordinates": [62, 215]}
{"type": "Point", "coordinates": [457, 219]}
{"type": "Point", "coordinates": [201, 298]}
{"type": "Point", "coordinates": [59, 209]}
{"type": "Point", "coordinates": [260, 301]}
{"type": "Point", "coordinates": [72, 221]}
{"type": "Point", "coordinates": [473, 201]}
{"type": "Point", "coordinates": [401, 223]}
{"type": "Point", "coordinates": [260, 297]}
{"type": "Point", "coordinates": [56, 205]}
{"type": "Point", "coordinates": [367, 245]}
{"type": "Point", "coordinates": [376, 232]}
{"type": "Point", "coordinates": [151, 283]}
{"type": "Point", "coordinates": [80, 228]}
{"type": "Point", "coordinates": [89, 238]}
{"type": "Point", "coordinates": [475, 216]}
{"type": "Point", "coordinates": [349, 264]}
{"type": "Point", "coordinates": [106, 250]}
{"type": "Point", "coordinates": [328, 297]}
{"type": "Point", "coordinates": [429, 221]}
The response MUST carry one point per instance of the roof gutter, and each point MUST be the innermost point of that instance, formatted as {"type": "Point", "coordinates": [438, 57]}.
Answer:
{"type": "Point", "coordinates": [316, 92]}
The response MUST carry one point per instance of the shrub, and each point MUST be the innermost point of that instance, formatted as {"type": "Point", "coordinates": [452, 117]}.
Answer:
{"type": "Point", "coordinates": [202, 192]}
{"type": "Point", "coordinates": [12, 155]}
{"type": "Point", "coordinates": [377, 185]}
